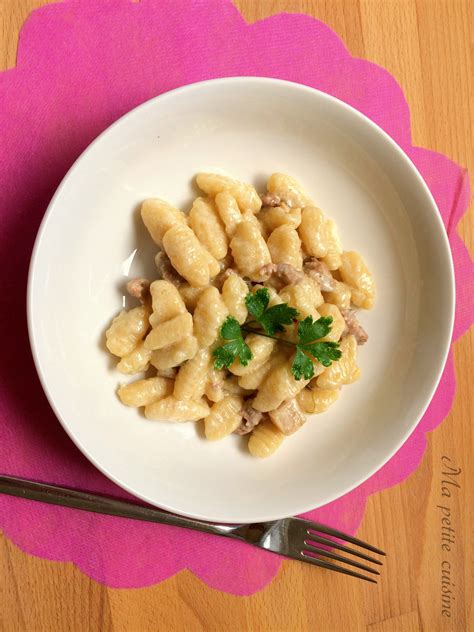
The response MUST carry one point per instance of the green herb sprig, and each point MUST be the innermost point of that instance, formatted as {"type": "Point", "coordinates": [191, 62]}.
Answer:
{"type": "Point", "coordinates": [272, 320]}
{"type": "Point", "coordinates": [236, 347]}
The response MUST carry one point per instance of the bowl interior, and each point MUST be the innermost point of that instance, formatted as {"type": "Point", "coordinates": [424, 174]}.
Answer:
{"type": "Point", "coordinates": [92, 240]}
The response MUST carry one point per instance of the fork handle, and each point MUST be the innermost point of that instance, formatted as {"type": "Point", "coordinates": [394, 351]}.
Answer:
{"type": "Point", "coordinates": [68, 497]}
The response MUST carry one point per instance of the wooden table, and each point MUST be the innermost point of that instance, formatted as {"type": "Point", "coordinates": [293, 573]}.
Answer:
{"type": "Point", "coordinates": [428, 46]}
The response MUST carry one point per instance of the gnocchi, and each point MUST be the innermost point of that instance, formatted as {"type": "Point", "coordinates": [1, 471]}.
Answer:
{"type": "Point", "coordinates": [320, 237]}
{"type": "Point", "coordinates": [245, 195]}
{"type": "Point", "coordinates": [356, 275]}
{"type": "Point", "coordinates": [208, 227]}
{"type": "Point", "coordinates": [224, 418]}
{"type": "Point", "coordinates": [249, 250]}
{"type": "Point", "coordinates": [208, 317]}
{"type": "Point", "coordinates": [265, 439]}
{"type": "Point", "coordinates": [187, 255]}
{"type": "Point", "coordinates": [213, 261]}
{"type": "Point", "coordinates": [159, 216]}
{"type": "Point", "coordinates": [144, 392]}
{"type": "Point", "coordinates": [317, 400]}
{"type": "Point", "coordinates": [234, 292]}
{"type": "Point", "coordinates": [285, 246]}
{"type": "Point", "coordinates": [126, 331]}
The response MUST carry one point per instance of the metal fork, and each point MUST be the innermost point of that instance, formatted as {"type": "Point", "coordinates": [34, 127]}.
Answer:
{"type": "Point", "coordinates": [292, 537]}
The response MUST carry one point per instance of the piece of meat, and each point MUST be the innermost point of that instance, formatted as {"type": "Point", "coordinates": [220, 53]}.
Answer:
{"type": "Point", "coordinates": [222, 276]}
{"type": "Point", "coordinates": [271, 199]}
{"type": "Point", "coordinates": [353, 326]}
{"type": "Point", "coordinates": [250, 419]}
{"type": "Point", "coordinates": [288, 417]}
{"type": "Point", "coordinates": [166, 270]}
{"type": "Point", "coordinates": [139, 288]}
{"type": "Point", "coordinates": [285, 272]}
{"type": "Point", "coordinates": [319, 271]}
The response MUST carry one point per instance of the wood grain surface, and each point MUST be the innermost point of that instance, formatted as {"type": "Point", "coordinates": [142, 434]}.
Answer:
{"type": "Point", "coordinates": [428, 46]}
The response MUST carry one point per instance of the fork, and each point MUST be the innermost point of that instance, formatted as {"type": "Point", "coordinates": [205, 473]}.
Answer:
{"type": "Point", "coordinates": [295, 538]}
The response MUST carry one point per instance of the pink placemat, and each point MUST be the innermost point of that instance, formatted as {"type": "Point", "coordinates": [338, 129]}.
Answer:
{"type": "Point", "coordinates": [82, 64]}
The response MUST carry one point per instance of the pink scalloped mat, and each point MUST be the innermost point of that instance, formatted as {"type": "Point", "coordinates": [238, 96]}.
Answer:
{"type": "Point", "coordinates": [81, 65]}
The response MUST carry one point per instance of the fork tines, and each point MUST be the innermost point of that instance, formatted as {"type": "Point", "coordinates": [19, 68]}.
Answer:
{"type": "Point", "coordinates": [313, 553]}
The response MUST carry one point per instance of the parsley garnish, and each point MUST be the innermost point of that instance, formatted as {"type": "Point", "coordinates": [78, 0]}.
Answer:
{"type": "Point", "coordinates": [225, 355]}
{"type": "Point", "coordinates": [302, 366]}
{"type": "Point", "coordinates": [309, 332]}
{"type": "Point", "coordinates": [272, 320]}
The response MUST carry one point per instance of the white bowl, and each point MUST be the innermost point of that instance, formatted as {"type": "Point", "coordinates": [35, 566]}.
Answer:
{"type": "Point", "coordinates": [91, 240]}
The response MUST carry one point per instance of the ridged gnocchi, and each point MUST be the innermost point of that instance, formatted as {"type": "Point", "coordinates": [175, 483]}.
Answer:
{"type": "Point", "coordinates": [356, 275]}
{"type": "Point", "coordinates": [253, 379]}
{"type": "Point", "coordinates": [346, 370]}
{"type": "Point", "coordinates": [175, 354]}
{"type": "Point", "coordinates": [234, 291]}
{"type": "Point", "coordinates": [172, 409]}
{"type": "Point", "coordinates": [127, 330]}
{"type": "Point", "coordinates": [224, 417]}
{"type": "Point", "coordinates": [317, 400]}
{"type": "Point", "coordinates": [208, 227]}
{"type": "Point", "coordinates": [249, 249]}
{"type": "Point", "coordinates": [187, 255]}
{"type": "Point", "coordinates": [166, 302]}
{"type": "Point", "coordinates": [159, 216]}
{"type": "Point", "coordinates": [265, 439]}
{"type": "Point", "coordinates": [287, 189]}
{"type": "Point", "coordinates": [285, 246]}
{"type": "Point", "coordinates": [229, 211]}
{"type": "Point", "coordinates": [320, 237]}
{"type": "Point", "coordinates": [136, 361]}
{"type": "Point", "coordinates": [305, 296]}
{"type": "Point", "coordinates": [340, 295]}
{"type": "Point", "coordinates": [261, 349]}
{"type": "Point", "coordinates": [275, 216]}
{"type": "Point", "coordinates": [144, 392]}
{"type": "Point", "coordinates": [209, 314]}
{"type": "Point", "coordinates": [170, 332]}
{"type": "Point", "coordinates": [245, 195]}
{"type": "Point", "coordinates": [191, 380]}
{"type": "Point", "coordinates": [279, 386]}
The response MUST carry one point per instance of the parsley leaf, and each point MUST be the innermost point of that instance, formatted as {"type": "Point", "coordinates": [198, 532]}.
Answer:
{"type": "Point", "coordinates": [236, 347]}
{"type": "Point", "coordinates": [257, 303]}
{"type": "Point", "coordinates": [230, 329]}
{"type": "Point", "coordinates": [325, 352]}
{"type": "Point", "coordinates": [272, 319]}
{"type": "Point", "coordinates": [309, 329]}
{"type": "Point", "coordinates": [302, 366]}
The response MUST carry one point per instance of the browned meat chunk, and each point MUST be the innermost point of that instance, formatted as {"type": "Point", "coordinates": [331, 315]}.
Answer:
{"type": "Point", "coordinates": [270, 200]}
{"type": "Point", "coordinates": [353, 326]}
{"type": "Point", "coordinates": [250, 419]}
{"type": "Point", "coordinates": [288, 417]}
{"type": "Point", "coordinates": [139, 288]}
{"type": "Point", "coordinates": [319, 271]}
{"type": "Point", "coordinates": [285, 272]}
{"type": "Point", "coordinates": [166, 270]}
